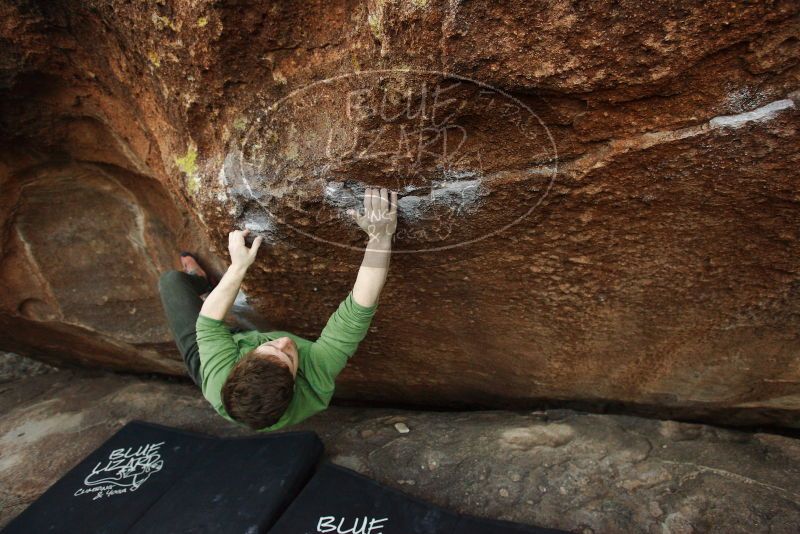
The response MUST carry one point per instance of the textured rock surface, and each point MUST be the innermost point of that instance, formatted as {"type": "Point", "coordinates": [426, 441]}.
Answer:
{"type": "Point", "coordinates": [647, 152]}
{"type": "Point", "coordinates": [13, 367]}
{"type": "Point", "coordinates": [584, 473]}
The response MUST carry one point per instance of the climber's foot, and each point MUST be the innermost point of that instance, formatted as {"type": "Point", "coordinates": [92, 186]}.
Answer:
{"type": "Point", "coordinates": [190, 265]}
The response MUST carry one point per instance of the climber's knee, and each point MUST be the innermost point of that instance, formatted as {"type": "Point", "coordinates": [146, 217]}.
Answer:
{"type": "Point", "coordinates": [169, 279]}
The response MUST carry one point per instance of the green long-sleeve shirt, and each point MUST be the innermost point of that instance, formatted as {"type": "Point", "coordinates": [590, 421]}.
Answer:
{"type": "Point", "coordinates": [319, 362]}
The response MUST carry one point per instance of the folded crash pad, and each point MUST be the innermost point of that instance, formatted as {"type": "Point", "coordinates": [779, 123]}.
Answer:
{"type": "Point", "coordinates": [150, 478]}
{"type": "Point", "coordinates": [338, 500]}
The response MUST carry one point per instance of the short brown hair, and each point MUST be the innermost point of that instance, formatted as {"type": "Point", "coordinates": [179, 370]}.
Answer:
{"type": "Point", "coordinates": [258, 390]}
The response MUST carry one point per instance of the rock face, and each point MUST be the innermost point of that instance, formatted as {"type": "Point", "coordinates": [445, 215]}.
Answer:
{"type": "Point", "coordinates": [578, 472]}
{"type": "Point", "coordinates": [598, 202]}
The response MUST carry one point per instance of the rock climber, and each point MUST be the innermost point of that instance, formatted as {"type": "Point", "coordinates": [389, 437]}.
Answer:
{"type": "Point", "coordinates": [270, 380]}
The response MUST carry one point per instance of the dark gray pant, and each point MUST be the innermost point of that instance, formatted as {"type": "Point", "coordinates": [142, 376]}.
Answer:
{"type": "Point", "coordinates": [180, 295]}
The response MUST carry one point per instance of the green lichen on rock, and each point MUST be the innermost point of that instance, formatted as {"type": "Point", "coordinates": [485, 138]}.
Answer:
{"type": "Point", "coordinates": [375, 25]}
{"type": "Point", "coordinates": [193, 184]}
{"type": "Point", "coordinates": [201, 22]}
{"type": "Point", "coordinates": [154, 59]}
{"type": "Point", "coordinates": [188, 166]}
{"type": "Point", "coordinates": [162, 22]}
{"type": "Point", "coordinates": [239, 124]}
{"type": "Point", "coordinates": [279, 78]}
{"type": "Point", "coordinates": [188, 162]}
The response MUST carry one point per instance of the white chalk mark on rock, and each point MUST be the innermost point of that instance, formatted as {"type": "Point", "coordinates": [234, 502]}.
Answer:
{"type": "Point", "coordinates": [460, 196]}
{"type": "Point", "coordinates": [604, 155]}
{"type": "Point", "coordinates": [758, 114]}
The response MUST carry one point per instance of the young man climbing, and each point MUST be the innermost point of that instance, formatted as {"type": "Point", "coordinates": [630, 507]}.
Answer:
{"type": "Point", "coordinates": [269, 380]}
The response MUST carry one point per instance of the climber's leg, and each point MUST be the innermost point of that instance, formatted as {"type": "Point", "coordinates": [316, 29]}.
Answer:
{"type": "Point", "coordinates": [180, 295]}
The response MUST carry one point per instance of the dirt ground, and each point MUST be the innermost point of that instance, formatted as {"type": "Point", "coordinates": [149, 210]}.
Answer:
{"type": "Point", "coordinates": [576, 471]}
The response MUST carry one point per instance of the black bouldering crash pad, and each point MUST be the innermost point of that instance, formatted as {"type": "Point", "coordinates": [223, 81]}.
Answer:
{"type": "Point", "coordinates": [341, 501]}
{"type": "Point", "coordinates": [154, 479]}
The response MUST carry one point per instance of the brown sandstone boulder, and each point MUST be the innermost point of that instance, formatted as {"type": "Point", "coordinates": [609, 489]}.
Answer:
{"type": "Point", "coordinates": [598, 200]}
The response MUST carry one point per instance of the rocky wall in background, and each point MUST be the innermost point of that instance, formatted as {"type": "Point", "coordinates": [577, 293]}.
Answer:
{"type": "Point", "coordinates": [599, 201]}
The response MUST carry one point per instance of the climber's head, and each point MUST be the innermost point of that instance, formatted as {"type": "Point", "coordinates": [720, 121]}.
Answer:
{"type": "Point", "coordinates": [283, 349]}
{"type": "Point", "coordinates": [260, 385]}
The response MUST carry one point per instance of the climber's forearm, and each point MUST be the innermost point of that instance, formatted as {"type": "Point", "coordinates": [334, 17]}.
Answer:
{"type": "Point", "coordinates": [221, 299]}
{"type": "Point", "coordinates": [373, 271]}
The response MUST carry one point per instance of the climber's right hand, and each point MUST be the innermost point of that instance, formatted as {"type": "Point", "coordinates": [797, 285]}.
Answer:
{"type": "Point", "coordinates": [379, 219]}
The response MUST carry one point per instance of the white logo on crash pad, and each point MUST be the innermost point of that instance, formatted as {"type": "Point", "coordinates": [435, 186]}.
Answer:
{"type": "Point", "coordinates": [124, 471]}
